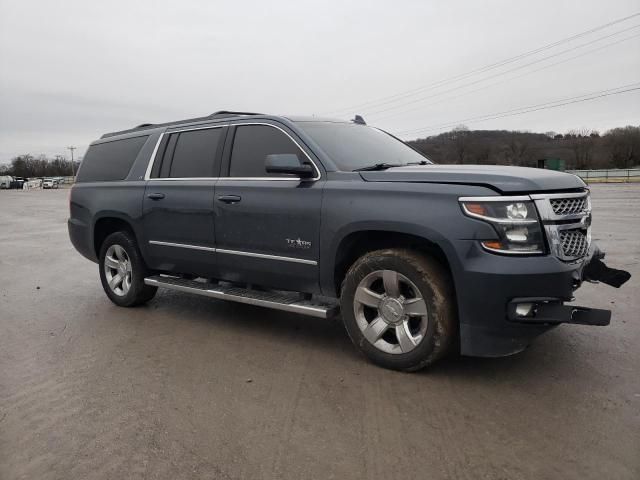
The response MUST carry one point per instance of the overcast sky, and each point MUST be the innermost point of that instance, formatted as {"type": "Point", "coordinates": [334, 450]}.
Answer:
{"type": "Point", "coordinates": [72, 70]}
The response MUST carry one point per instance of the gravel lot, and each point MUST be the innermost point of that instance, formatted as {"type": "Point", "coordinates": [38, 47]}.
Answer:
{"type": "Point", "coordinates": [189, 387]}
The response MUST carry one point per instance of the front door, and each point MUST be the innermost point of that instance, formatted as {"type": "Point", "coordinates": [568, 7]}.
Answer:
{"type": "Point", "coordinates": [267, 226]}
{"type": "Point", "coordinates": [178, 202]}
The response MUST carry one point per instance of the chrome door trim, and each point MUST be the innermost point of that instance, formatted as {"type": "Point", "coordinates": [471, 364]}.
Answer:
{"type": "Point", "coordinates": [318, 175]}
{"type": "Point", "coordinates": [177, 179]}
{"type": "Point", "coordinates": [152, 159]}
{"type": "Point", "coordinates": [182, 245]}
{"type": "Point", "coordinates": [234, 252]}
{"type": "Point", "coordinates": [267, 257]}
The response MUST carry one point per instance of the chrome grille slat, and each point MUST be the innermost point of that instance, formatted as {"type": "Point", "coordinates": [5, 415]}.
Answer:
{"type": "Point", "coordinates": [567, 223]}
{"type": "Point", "coordinates": [568, 206]}
{"type": "Point", "coordinates": [574, 243]}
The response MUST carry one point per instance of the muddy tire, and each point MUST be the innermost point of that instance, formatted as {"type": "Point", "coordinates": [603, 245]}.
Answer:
{"type": "Point", "coordinates": [398, 307]}
{"type": "Point", "coordinates": [122, 271]}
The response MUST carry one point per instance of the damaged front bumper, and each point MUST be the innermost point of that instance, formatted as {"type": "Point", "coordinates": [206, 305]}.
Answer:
{"type": "Point", "coordinates": [550, 310]}
{"type": "Point", "coordinates": [508, 302]}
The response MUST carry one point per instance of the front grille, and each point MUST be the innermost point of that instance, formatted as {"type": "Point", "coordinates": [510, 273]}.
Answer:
{"type": "Point", "coordinates": [574, 243]}
{"type": "Point", "coordinates": [566, 218]}
{"type": "Point", "coordinates": [568, 206]}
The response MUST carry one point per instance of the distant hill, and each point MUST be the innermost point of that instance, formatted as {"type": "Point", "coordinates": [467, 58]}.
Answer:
{"type": "Point", "coordinates": [580, 149]}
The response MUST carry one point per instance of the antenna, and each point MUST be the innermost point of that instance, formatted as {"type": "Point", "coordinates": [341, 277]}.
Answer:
{"type": "Point", "coordinates": [359, 120]}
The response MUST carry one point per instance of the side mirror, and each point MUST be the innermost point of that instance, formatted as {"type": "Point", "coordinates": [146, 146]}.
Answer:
{"type": "Point", "coordinates": [288, 163]}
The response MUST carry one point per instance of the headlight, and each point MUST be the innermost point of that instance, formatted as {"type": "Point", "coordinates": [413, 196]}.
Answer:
{"type": "Point", "coordinates": [515, 221]}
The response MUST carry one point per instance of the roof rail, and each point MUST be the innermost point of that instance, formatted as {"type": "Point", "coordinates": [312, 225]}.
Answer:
{"type": "Point", "coordinates": [146, 126]}
{"type": "Point", "coordinates": [227, 113]}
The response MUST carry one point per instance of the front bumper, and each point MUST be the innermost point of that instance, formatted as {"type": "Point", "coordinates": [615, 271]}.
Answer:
{"type": "Point", "coordinates": [492, 287]}
{"type": "Point", "coordinates": [541, 311]}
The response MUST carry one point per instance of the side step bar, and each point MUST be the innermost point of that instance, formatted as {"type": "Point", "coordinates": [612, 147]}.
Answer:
{"type": "Point", "coordinates": [287, 301]}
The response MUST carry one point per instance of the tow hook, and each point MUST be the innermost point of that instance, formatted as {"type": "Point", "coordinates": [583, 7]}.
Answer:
{"type": "Point", "coordinates": [597, 271]}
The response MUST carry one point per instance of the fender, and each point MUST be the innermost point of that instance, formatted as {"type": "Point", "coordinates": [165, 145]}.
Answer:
{"type": "Point", "coordinates": [111, 214]}
{"type": "Point", "coordinates": [330, 254]}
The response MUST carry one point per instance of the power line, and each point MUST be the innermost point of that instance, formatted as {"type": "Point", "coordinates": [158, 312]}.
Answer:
{"type": "Point", "coordinates": [531, 108]}
{"type": "Point", "coordinates": [520, 67]}
{"type": "Point", "coordinates": [527, 109]}
{"type": "Point", "coordinates": [507, 79]}
{"type": "Point", "coordinates": [390, 98]}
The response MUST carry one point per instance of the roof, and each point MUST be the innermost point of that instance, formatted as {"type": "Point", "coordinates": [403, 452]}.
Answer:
{"type": "Point", "coordinates": [307, 118]}
{"type": "Point", "coordinates": [214, 116]}
{"type": "Point", "coordinates": [221, 115]}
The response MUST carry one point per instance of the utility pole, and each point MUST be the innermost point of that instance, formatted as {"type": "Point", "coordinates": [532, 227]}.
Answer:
{"type": "Point", "coordinates": [73, 173]}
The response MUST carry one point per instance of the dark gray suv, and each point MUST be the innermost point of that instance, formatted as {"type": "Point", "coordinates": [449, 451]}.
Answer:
{"type": "Point", "coordinates": [322, 217]}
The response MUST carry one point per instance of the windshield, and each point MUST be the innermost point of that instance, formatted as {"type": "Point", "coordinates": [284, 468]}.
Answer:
{"type": "Point", "coordinates": [352, 146]}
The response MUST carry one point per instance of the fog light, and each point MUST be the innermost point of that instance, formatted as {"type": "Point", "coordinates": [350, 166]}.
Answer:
{"type": "Point", "coordinates": [524, 309]}
{"type": "Point", "coordinates": [517, 235]}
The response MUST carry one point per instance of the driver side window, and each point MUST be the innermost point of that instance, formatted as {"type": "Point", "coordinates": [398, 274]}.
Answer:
{"type": "Point", "coordinates": [251, 146]}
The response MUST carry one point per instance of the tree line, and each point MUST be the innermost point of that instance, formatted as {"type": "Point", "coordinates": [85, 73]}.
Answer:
{"type": "Point", "coordinates": [28, 166]}
{"type": "Point", "coordinates": [580, 149]}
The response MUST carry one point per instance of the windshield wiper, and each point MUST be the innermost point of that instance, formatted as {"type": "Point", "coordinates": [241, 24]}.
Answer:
{"type": "Point", "coordinates": [421, 162]}
{"type": "Point", "coordinates": [378, 166]}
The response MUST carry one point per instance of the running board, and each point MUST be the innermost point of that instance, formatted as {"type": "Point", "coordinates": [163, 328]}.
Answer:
{"type": "Point", "coordinates": [287, 301]}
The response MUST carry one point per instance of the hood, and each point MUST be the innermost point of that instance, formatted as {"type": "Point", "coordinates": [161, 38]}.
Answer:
{"type": "Point", "coordinates": [501, 178]}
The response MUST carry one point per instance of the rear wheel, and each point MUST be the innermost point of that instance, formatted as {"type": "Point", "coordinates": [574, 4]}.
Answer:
{"type": "Point", "coordinates": [122, 271]}
{"type": "Point", "coordinates": [398, 308]}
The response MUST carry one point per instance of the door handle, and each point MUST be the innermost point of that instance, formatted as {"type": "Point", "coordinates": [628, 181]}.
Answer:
{"type": "Point", "coordinates": [156, 196]}
{"type": "Point", "coordinates": [230, 198]}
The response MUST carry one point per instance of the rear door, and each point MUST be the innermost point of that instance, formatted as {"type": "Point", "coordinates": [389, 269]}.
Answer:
{"type": "Point", "coordinates": [178, 202]}
{"type": "Point", "coordinates": [267, 225]}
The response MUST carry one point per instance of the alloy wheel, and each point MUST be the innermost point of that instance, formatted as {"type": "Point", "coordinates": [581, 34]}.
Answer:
{"type": "Point", "coordinates": [390, 311]}
{"type": "Point", "coordinates": [118, 270]}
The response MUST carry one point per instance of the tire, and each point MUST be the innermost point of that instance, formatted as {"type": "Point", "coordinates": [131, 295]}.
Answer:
{"type": "Point", "coordinates": [120, 257]}
{"type": "Point", "coordinates": [381, 307]}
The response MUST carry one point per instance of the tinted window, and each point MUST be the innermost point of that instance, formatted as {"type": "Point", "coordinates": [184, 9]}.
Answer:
{"type": "Point", "coordinates": [252, 144]}
{"type": "Point", "coordinates": [110, 161]}
{"type": "Point", "coordinates": [353, 146]}
{"type": "Point", "coordinates": [193, 154]}
{"type": "Point", "coordinates": [163, 163]}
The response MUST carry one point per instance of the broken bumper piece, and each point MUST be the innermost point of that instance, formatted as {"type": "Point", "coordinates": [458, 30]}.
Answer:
{"type": "Point", "coordinates": [550, 311]}
{"type": "Point", "coordinates": [597, 271]}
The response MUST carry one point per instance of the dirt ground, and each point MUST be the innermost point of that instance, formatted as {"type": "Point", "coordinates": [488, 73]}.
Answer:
{"type": "Point", "coordinates": [190, 387]}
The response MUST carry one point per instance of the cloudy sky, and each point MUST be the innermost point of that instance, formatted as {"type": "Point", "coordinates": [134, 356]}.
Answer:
{"type": "Point", "coordinates": [72, 70]}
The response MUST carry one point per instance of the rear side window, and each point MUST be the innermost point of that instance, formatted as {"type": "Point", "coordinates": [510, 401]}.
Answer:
{"type": "Point", "coordinates": [190, 154]}
{"type": "Point", "coordinates": [110, 161]}
{"type": "Point", "coordinates": [252, 144]}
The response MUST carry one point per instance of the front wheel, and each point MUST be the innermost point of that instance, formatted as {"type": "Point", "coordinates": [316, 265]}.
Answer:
{"type": "Point", "coordinates": [122, 271]}
{"type": "Point", "coordinates": [398, 307]}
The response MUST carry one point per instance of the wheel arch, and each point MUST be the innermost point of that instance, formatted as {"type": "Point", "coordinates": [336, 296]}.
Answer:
{"type": "Point", "coordinates": [357, 242]}
{"type": "Point", "coordinates": [107, 224]}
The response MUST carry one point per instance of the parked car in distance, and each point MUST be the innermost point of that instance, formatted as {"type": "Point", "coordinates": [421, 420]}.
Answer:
{"type": "Point", "coordinates": [5, 181]}
{"type": "Point", "coordinates": [322, 217]}
{"type": "Point", "coordinates": [17, 182]}
{"type": "Point", "coordinates": [49, 183]}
